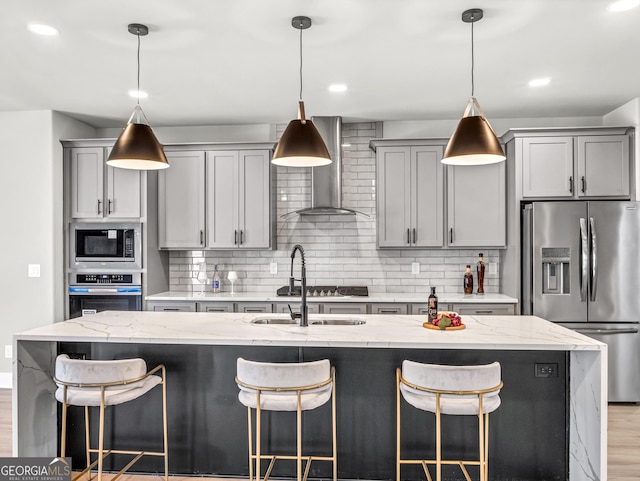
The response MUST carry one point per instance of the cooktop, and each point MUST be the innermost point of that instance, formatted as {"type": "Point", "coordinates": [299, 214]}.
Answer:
{"type": "Point", "coordinates": [326, 291]}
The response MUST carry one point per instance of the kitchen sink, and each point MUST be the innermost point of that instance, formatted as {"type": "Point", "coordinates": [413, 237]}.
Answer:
{"type": "Point", "coordinates": [314, 320]}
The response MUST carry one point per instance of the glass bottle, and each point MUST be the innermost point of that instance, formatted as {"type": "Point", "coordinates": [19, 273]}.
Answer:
{"type": "Point", "coordinates": [468, 280]}
{"type": "Point", "coordinates": [215, 284]}
{"type": "Point", "coordinates": [433, 305]}
{"type": "Point", "coordinates": [480, 270]}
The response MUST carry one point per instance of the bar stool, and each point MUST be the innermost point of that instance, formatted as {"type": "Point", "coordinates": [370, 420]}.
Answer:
{"type": "Point", "coordinates": [303, 386]}
{"type": "Point", "coordinates": [453, 390]}
{"type": "Point", "coordinates": [106, 383]}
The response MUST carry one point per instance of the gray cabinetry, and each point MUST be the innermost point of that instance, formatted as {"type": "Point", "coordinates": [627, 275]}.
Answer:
{"type": "Point", "coordinates": [214, 306]}
{"type": "Point", "coordinates": [98, 190]}
{"type": "Point", "coordinates": [171, 306]}
{"type": "Point", "coordinates": [216, 199]}
{"type": "Point", "coordinates": [238, 195]}
{"type": "Point", "coordinates": [483, 309]}
{"type": "Point", "coordinates": [388, 308]}
{"type": "Point", "coordinates": [476, 209]}
{"type": "Point", "coordinates": [283, 308]}
{"type": "Point", "coordinates": [575, 166]}
{"type": "Point", "coordinates": [258, 307]}
{"type": "Point", "coordinates": [181, 201]}
{"type": "Point", "coordinates": [410, 196]}
{"type": "Point", "coordinates": [344, 308]}
{"type": "Point", "coordinates": [419, 309]}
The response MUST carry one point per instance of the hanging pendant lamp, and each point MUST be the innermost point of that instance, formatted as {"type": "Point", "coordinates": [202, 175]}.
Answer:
{"type": "Point", "coordinates": [137, 147]}
{"type": "Point", "coordinates": [301, 144]}
{"type": "Point", "coordinates": [474, 141]}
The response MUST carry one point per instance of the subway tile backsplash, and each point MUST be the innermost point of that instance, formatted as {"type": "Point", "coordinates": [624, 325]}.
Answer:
{"type": "Point", "coordinates": [338, 249]}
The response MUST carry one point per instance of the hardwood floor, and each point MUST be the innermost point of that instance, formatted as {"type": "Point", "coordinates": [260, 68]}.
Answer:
{"type": "Point", "coordinates": [624, 441]}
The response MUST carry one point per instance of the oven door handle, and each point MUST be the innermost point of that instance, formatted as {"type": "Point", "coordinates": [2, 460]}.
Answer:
{"type": "Point", "coordinates": [109, 291]}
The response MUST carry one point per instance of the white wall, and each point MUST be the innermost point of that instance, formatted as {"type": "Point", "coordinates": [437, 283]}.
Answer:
{"type": "Point", "coordinates": [628, 114]}
{"type": "Point", "coordinates": [31, 215]}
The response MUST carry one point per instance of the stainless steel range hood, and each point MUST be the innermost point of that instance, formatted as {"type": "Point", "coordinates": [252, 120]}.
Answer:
{"type": "Point", "coordinates": [326, 181]}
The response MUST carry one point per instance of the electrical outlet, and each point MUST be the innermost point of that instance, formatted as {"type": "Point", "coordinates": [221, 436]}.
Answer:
{"type": "Point", "coordinates": [8, 351]}
{"type": "Point", "coordinates": [493, 268]}
{"type": "Point", "coordinates": [273, 268]}
{"type": "Point", "coordinates": [415, 268]}
{"type": "Point", "coordinates": [546, 369]}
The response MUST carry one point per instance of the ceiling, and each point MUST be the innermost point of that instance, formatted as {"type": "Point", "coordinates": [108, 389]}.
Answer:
{"type": "Point", "coordinates": [221, 62]}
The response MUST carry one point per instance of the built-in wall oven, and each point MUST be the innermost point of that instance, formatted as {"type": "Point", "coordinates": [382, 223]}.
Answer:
{"type": "Point", "coordinates": [95, 292]}
{"type": "Point", "coordinates": [105, 246]}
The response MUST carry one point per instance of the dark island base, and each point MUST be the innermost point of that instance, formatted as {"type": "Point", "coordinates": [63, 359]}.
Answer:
{"type": "Point", "coordinates": [208, 426]}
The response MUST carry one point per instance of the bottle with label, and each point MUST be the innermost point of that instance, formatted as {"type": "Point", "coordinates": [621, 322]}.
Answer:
{"type": "Point", "coordinates": [468, 281]}
{"type": "Point", "coordinates": [433, 305]}
{"type": "Point", "coordinates": [480, 270]}
{"type": "Point", "coordinates": [215, 283]}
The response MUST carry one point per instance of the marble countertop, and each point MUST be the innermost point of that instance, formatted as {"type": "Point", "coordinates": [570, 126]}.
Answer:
{"type": "Point", "coordinates": [371, 298]}
{"type": "Point", "coordinates": [380, 331]}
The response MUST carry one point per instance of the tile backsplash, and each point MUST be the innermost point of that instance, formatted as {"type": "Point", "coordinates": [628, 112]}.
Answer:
{"type": "Point", "coordinates": [338, 249]}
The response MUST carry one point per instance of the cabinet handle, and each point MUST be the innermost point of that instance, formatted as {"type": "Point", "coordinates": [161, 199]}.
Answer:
{"type": "Point", "coordinates": [571, 184]}
{"type": "Point", "coordinates": [241, 237]}
{"type": "Point", "coordinates": [171, 309]}
{"type": "Point", "coordinates": [109, 210]}
{"type": "Point", "coordinates": [583, 184]}
{"type": "Point", "coordinates": [389, 311]}
{"type": "Point", "coordinates": [408, 236]}
{"type": "Point", "coordinates": [99, 207]}
{"type": "Point", "coordinates": [254, 309]}
{"type": "Point", "coordinates": [201, 237]}
{"type": "Point", "coordinates": [451, 235]}
{"type": "Point", "coordinates": [483, 312]}
{"type": "Point", "coordinates": [235, 237]}
{"type": "Point", "coordinates": [415, 236]}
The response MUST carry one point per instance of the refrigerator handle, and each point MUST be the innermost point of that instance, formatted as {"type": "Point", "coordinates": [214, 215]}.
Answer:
{"type": "Point", "coordinates": [594, 259]}
{"type": "Point", "coordinates": [584, 260]}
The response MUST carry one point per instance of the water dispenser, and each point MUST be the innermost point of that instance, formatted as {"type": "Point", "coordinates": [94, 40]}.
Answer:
{"type": "Point", "coordinates": [556, 263]}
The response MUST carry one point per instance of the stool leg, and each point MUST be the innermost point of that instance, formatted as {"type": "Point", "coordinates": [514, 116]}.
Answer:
{"type": "Point", "coordinates": [438, 441]}
{"type": "Point", "coordinates": [63, 436]}
{"type": "Point", "coordinates": [87, 440]}
{"type": "Point", "coordinates": [486, 447]}
{"type": "Point", "coordinates": [250, 438]}
{"type": "Point", "coordinates": [481, 438]}
{"type": "Point", "coordinates": [101, 435]}
{"type": "Point", "coordinates": [334, 426]}
{"type": "Point", "coordinates": [258, 437]}
{"type": "Point", "coordinates": [164, 425]}
{"type": "Point", "coordinates": [397, 424]}
{"type": "Point", "coordinates": [299, 440]}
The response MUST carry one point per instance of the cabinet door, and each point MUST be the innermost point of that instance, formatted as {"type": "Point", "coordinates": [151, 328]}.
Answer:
{"type": "Point", "coordinates": [484, 309]}
{"type": "Point", "coordinates": [344, 308]}
{"type": "Point", "coordinates": [388, 308]}
{"type": "Point", "coordinates": [223, 231]}
{"type": "Point", "coordinates": [214, 306]}
{"type": "Point", "coordinates": [254, 206]}
{"type": "Point", "coordinates": [547, 167]}
{"type": "Point", "coordinates": [87, 182]}
{"type": "Point", "coordinates": [427, 196]}
{"type": "Point", "coordinates": [603, 166]}
{"type": "Point", "coordinates": [184, 306]}
{"type": "Point", "coordinates": [181, 201]}
{"type": "Point", "coordinates": [393, 173]}
{"type": "Point", "coordinates": [295, 307]}
{"type": "Point", "coordinates": [123, 192]}
{"type": "Point", "coordinates": [250, 307]}
{"type": "Point", "coordinates": [476, 214]}
{"type": "Point", "coordinates": [420, 309]}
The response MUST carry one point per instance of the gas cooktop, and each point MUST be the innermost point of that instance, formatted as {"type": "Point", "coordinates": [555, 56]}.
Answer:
{"type": "Point", "coordinates": [326, 291]}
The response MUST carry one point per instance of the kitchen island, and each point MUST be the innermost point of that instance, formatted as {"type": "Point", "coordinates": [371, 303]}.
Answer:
{"type": "Point", "coordinates": [547, 427]}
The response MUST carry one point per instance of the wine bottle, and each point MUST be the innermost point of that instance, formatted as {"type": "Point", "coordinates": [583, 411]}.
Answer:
{"type": "Point", "coordinates": [480, 270]}
{"type": "Point", "coordinates": [433, 305]}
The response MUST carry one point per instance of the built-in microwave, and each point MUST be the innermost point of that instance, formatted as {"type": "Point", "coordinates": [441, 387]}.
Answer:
{"type": "Point", "coordinates": [111, 246]}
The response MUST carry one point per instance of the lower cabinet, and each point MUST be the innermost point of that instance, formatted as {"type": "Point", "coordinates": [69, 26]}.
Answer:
{"type": "Point", "coordinates": [295, 307]}
{"type": "Point", "coordinates": [419, 309]}
{"type": "Point", "coordinates": [214, 306]}
{"type": "Point", "coordinates": [254, 307]}
{"type": "Point", "coordinates": [484, 309]}
{"type": "Point", "coordinates": [388, 308]}
{"type": "Point", "coordinates": [177, 306]}
{"type": "Point", "coordinates": [344, 308]}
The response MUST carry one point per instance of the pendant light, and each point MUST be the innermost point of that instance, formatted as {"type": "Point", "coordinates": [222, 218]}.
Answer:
{"type": "Point", "coordinates": [137, 147]}
{"type": "Point", "coordinates": [301, 144]}
{"type": "Point", "coordinates": [473, 142]}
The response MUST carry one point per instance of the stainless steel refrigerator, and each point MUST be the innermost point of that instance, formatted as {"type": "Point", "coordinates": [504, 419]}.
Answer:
{"type": "Point", "coordinates": [581, 268]}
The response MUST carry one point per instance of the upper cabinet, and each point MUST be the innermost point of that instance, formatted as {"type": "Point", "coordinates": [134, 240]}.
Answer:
{"type": "Point", "coordinates": [593, 163]}
{"type": "Point", "coordinates": [410, 196]}
{"type": "Point", "coordinates": [216, 199]}
{"type": "Point", "coordinates": [421, 203]}
{"type": "Point", "coordinates": [99, 191]}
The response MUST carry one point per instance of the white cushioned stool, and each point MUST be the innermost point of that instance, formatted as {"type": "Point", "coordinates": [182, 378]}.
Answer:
{"type": "Point", "coordinates": [303, 386]}
{"type": "Point", "coordinates": [106, 383]}
{"type": "Point", "coordinates": [452, 390]}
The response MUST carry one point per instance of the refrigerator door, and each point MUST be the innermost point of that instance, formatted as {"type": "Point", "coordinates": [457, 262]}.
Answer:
{"type": "Point", "coordinates": [615, 262]}
{"type": "Point", "coordinates": [560, 258]}
{"type": "Point", "coordinates": [623, 344]}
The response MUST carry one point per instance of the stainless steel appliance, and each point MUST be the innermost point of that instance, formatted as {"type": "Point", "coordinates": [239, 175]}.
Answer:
{"type": "Point", "coordinates": [91, 293]}
{"type": "Point", "coordinates": [581, 268]}
{"type": "Point", "coordinates": [109, 246]}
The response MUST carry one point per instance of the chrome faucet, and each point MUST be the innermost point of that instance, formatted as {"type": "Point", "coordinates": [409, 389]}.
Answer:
{"type": "Point", "coordinates": [304, 313]}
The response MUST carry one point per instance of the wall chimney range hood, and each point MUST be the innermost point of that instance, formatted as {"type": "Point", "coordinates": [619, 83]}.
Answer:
{"type": "Point", "coordinates": [326, 180]}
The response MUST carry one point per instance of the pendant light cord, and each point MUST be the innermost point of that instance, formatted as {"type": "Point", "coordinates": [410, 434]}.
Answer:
{"type": "Point", "coordinates": [301, 64]}
{"type": "Point", "coordinates": [472, 61]}
{"type": "Point", "coordinates": [138, 93]}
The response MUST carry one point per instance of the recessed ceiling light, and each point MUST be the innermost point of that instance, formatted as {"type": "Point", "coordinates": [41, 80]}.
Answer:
{"type": "Point", "coordinates": [623, 5]}
{"type": "Point", "coordinates": [337, 88]}
{"type": "Point", "coordinates": [138, 94]}
{"type": "Point", "coordinates": [539, 82]}
{"type": "Point", "coordinates": [43, 29]}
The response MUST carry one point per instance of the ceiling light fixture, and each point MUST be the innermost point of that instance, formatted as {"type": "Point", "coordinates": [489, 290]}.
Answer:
{"type": "Point", "coordinates": [301, 144]}
{"type": "Point", "coordinates": [137, 147]}
{"type": "Point", "coordinates": [623, 5]}
{"type": "Point", "coordinates": [41, 29]}
{"type": "Point", "coordinates": [138, 94]}
{"type": "Point", "coordinates": [539, 82]}
{"type": "Point", "coordinates": [338, 88]}
{"type": "Point", "coordinates": [474, 141]}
